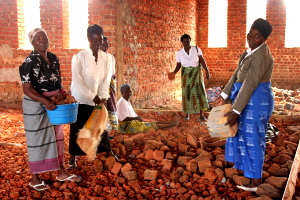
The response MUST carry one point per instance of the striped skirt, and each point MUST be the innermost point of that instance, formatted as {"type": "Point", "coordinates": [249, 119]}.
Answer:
{"type": "Point", "coordinates": [194, 97]}
{"type": "Point", "coordinates": [45, 142]}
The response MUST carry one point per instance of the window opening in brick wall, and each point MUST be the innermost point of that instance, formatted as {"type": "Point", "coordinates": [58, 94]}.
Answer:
{"type": "Point", "coordinates": [292, 29]}
{"type": "Point", "coordinates": [217, 23]}
{"type": "Point", "coordinates": [78, 23]}
{"type": "Point", "coordinates": [255, 9]}
{"type": "Point", "coordinates": [28, 19]}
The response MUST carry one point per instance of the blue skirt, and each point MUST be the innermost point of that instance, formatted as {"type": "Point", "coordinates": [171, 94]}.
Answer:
{"type": "Point", "coordinates": [247, 149]}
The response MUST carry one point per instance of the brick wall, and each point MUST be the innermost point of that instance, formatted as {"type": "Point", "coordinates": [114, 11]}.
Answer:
{"type": "Point", "coordinates": [151, 32]}
{"type": "Point", "coordinates": [223, 61]}
{"type": "Point", "coordinates": [143, 36]}
{"type": "Point", "coordinates": [100, 12]}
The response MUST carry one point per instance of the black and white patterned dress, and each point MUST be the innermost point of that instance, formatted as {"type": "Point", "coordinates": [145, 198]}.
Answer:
{"type": "Point", "coordinates": [43, 77]}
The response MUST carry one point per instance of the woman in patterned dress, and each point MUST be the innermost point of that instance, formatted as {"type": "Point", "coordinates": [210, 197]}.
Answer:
{"type": "Point", "coordinates": [40, 77]}
{"type": "Point", "coordinates": [191, 60]}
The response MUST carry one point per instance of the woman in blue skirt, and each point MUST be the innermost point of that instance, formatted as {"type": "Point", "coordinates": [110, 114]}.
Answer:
{"type": "Point", "coordinates": [250, 92]}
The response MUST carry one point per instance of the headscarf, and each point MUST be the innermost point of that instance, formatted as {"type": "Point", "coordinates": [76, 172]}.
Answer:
{"type": "Point", "coordinates": [33, 33]}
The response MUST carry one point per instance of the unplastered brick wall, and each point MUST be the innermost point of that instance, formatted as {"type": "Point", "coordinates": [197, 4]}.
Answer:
{"type": "Point", "coordinates": [151, 33]}
{"type": "Point", "coordinates": [223, 61]}
{"type": "Point", "coordinates": [144, 36]}
{"type": "Point", "coordinates": [53, 15]}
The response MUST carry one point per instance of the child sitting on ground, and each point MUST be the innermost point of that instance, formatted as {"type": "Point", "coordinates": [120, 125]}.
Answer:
{"type": "Point", "coordinates": [130, 122]}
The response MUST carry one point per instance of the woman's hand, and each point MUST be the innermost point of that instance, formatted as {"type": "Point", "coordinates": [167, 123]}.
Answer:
{"type": "Point", "coordinates": [50, 105]}
{"type": "Point", "coordinates": [207, 75]}
{"type": "Point", "coordinates": [98, 101]}
{"type": "Point", "coordinates": [63, 93]}
{"type": "Point", "coordinates": [171, 75]}
{"type": "Point", "coordinates": [232, 118]}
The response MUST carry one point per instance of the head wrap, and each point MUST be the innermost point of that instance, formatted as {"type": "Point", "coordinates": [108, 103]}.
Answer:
{"type": "Point", "coordinates": [263, 26]}
{"type": "Point", "coordinates": [33, 33]}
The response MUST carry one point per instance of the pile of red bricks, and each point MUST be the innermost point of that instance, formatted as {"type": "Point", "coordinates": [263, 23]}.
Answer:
{"type": "Point", "coordinates": [143, 37]}
{"type": "Point", "coordinates": [287, 102]}
{"type": "Point", "coordinates": [182, 162]}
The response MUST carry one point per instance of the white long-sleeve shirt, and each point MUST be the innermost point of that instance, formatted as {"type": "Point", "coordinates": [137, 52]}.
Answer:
{"type": "Point", "coordinates": [90, 78]}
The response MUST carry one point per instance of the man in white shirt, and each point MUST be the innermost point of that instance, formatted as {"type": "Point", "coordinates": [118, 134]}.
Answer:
{"type": "Point", "coordinates": [130, 122]}
{"type": "Point", "coordinates": [91, 77]}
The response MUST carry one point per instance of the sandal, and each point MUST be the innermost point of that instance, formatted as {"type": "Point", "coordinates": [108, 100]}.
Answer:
{"type": "Point", "coordinates": [39, 187]}
{"type": "Point", "coordinates": [71, 177]}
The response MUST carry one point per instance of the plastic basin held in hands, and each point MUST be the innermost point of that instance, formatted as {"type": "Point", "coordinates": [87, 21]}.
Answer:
{"type": "Point", "coordinates": [63, 114]}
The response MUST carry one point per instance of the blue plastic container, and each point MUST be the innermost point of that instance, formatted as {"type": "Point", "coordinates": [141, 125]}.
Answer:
{"type": "Point", "coordinates": [63, 114]}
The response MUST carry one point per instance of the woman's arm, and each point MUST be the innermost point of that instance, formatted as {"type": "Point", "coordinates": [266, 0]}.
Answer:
{"type": "Point", "coordinates": [229, 84]}
{"type": "Point", "coordinates": [171, 75]}
{"type": "Point", "coordinates": [203, 64]}
{"type": "Point", "coordinates": [177, 68]}
{"type": "Point", "coordinates": [33, 94]}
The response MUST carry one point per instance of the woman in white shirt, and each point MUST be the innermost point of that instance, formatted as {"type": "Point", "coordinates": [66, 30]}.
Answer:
{"type": "Point", "coordinates": [91, 77]}
{"type": "Point", "coordinates": [194, 98]}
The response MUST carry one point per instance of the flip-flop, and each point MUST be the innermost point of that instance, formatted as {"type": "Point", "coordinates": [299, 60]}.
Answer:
{"type": "Point", "coordinates": [69, 178]}
{"type": "Point", "coordinates": [36, 187]}
{"type": "Point", "coordinates": [249, 189]}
